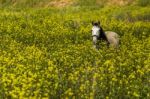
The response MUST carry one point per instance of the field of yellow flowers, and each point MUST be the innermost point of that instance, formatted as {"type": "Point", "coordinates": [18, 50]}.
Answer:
{"type": "Point", "coordinates": [48, 54]}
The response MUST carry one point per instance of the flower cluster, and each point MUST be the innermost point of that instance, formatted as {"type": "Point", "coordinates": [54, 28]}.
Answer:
{"type": "Point", "coordinates": [49, 54]}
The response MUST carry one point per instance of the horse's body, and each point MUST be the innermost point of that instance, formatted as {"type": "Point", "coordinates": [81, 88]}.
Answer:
{"type": "Point", "coordinates": [110, 37]}
{"type": "Point", "coordinates": [113, 38]}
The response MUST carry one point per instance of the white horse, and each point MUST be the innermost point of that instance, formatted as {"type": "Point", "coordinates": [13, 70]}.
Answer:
{"type": "Point", "coordinates": [111, 38]}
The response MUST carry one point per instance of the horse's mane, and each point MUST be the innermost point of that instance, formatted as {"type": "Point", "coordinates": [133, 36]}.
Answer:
{"type": "Point", "coordinates": [102, 34]}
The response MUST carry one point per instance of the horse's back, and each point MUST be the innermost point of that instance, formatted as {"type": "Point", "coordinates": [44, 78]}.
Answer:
{"type": "Point", "coordinates": [113, 38]}
{"type": "Point", "coordinates": [111, 34]}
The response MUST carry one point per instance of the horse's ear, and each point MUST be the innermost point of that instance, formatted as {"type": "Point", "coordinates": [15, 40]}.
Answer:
{"type": "Point", "coordinates": [98, 22]}
{"type": "Point", "coordinates": [92, 22]}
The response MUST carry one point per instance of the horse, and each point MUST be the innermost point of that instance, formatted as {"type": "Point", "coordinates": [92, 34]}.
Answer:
{"type": "Point", "coordinates": [98, 34]}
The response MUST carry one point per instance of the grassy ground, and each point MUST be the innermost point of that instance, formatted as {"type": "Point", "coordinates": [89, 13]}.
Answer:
{"type": "Point", "coordinates": [48, 53]}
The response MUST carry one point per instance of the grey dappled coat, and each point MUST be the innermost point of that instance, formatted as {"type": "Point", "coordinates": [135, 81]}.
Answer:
{"type": "Point", "coordinates": [113, 38]}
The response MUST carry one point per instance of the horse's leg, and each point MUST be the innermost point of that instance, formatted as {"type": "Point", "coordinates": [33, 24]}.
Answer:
{"type": "Point", "coordinates": [108, 44]}
{"type": "Point", "coordinates": [95, 42]}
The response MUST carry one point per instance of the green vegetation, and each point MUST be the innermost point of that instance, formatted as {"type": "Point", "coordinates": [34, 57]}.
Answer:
{"type": "Point", "coordinates": [23, 3]}
{"type": "Point", "coordinates": [144, 2]}
{"type": "Point", "coordinates": [47, 53]}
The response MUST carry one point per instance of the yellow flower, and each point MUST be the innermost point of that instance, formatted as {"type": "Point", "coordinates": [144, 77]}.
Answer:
{"type": "Point", "coordinates": [136, 94]}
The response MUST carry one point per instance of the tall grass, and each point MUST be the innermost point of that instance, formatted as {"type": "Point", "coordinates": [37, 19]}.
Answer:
{"type": "Point", "coordinates": [47, 53]}
{"type": "Point", "coordinates": [23, 3]}
{"type": "Point", "coordinates": [144, 2]}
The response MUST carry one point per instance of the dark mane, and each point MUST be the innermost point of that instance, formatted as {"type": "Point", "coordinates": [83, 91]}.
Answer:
{"type": "Point", "coordinates": [102, 35]}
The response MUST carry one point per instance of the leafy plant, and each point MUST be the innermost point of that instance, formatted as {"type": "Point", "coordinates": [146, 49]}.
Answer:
{"type": "Point", "coordinates": [48, 53]}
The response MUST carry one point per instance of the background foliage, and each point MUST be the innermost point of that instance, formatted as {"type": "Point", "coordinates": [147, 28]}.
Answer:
{"type": "Point", "coordinates": [48, 53]}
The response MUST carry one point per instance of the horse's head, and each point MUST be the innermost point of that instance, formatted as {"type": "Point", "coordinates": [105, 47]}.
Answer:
{"type": "Point", "coordinates": [96, 28]}
{"type": "Point", "coordinates": [95, 32]}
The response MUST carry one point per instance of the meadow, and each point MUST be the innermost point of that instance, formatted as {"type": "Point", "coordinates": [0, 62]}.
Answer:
{"type": "Point", "coordinates": [47, 53]}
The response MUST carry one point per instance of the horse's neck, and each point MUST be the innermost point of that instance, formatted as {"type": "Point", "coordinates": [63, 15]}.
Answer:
{"type": "Point", "coordinates": [102, 34]}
